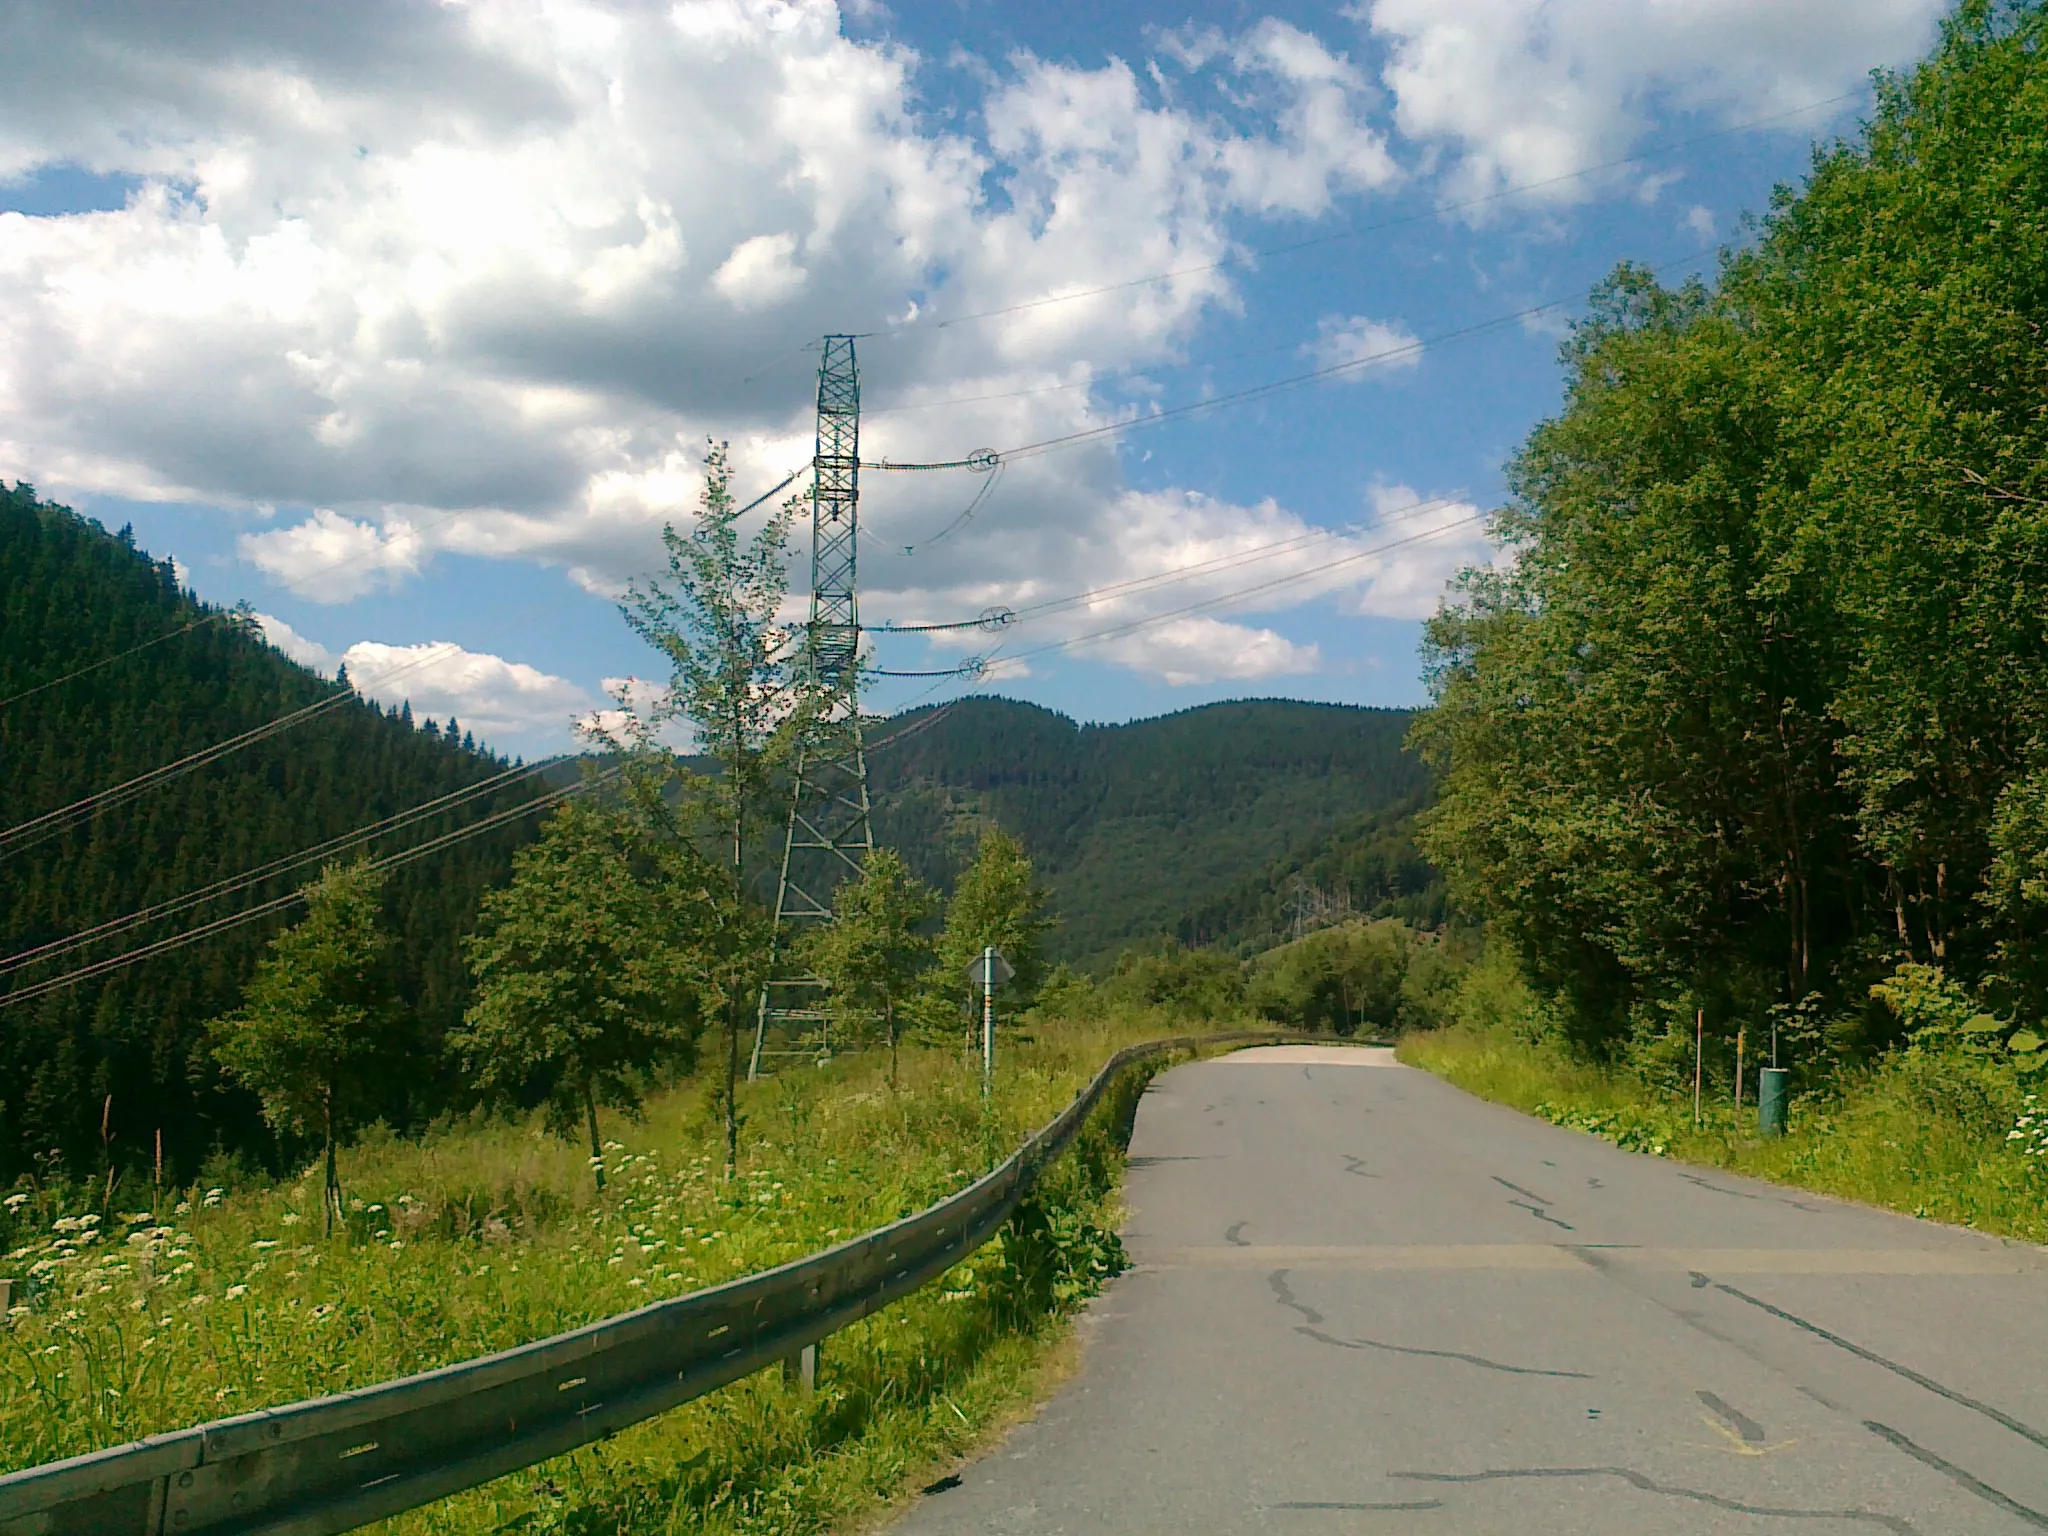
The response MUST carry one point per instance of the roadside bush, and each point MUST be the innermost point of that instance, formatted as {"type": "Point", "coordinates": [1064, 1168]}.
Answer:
{"type": "Point", "coordinates": [1345, 980]}
{"type": "Point", "coordinates": [1185, 984]}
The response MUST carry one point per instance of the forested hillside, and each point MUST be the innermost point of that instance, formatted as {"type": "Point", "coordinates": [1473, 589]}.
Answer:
{"type": "Point", "coordinates": [71, 595]}
{"type": "Point", "coordinates": [1369, 867]}
{"type": "Point", "coordinates": [1759, 715]}
{"type": "Point", "coordinates": [1136, 827]}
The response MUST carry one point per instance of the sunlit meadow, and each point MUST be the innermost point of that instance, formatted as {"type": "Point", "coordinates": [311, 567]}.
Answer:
{"type": "Point", "coordinates": [487, 1234]}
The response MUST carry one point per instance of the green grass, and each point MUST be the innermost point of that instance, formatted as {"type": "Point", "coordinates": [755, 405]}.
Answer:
{"type": "Point", "coordinates": [489, 1235]}
{"type": "Point", "coordinates": [1918, 1135]}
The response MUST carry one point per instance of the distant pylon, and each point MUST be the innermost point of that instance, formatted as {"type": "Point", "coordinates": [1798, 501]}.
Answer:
{"type": "Point", "coordinates": [829, 837]}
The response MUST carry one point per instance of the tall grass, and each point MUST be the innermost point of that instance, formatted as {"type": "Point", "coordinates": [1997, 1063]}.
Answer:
{"type": "Point", "coordinates": [1922, 1134]}
{"type": "Point", "coordinates": [488, 1235]}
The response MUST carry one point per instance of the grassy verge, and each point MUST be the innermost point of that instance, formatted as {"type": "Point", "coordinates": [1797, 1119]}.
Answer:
{"type": "Point", "coordinates": [1926, 1137]}
{"type": "Point", "coordinates": [491, 1234]}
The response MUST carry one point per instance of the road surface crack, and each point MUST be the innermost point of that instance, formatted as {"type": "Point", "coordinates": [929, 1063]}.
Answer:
{"type": "Point", "coordinates": [1235, 1236]}
{"type": "Point", "coordinates": [1533, 1203]}
{"type": "Point", "coordinates": [1956, 1474]}
{"type": "Point", "coordinates": [1650, 1485]}
{"type": "Point", "coordinates": [1357, 1165]}
{"type": "Point", "coordinates": [1312, 1319]}
{"type": "Point", "coordinates": [1746, 1194]}
{"type": "Point", "coordinates": [1997, 1416]}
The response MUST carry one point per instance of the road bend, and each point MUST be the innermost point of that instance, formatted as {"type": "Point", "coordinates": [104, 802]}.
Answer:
{"type": "Point", "coordinates": [1364, 1301]}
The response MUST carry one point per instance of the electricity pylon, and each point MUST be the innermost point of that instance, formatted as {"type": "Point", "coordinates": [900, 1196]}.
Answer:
{"type": "Point", "coordinates": [829, 837]}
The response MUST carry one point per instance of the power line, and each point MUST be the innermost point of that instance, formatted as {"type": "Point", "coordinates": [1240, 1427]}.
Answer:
{"type": "Point", "coordinates": [1314, 375]}
{"type": "Point", "coordinates": [1359, 232]}
{"type": "Point", "coordinates": [1116, 631]}
{"type": "Point", "coordinates": [113, 927]}
{"type": "Point", "coordinates": [981, 496]}
{"type": "Point", "coordinates": [108, 661]}
{"type": "Point", "coordinates": [224, 613]}
{"type": "Point", "coordinates": [280, 903]}
{"type": "Point", "coordinates": [39, 829]}
{"type": "Point", "coordinates": [1226, 562]}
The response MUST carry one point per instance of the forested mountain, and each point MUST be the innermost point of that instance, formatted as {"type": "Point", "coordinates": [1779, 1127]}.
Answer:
{"type": "Point", "coordinates": [1760, 713]}
{"type": "Point", "coordinates": [1369, 866]}
{"type": "Point", "coordinates": [1137, 827]}
{"type": "Point", "coordinates": [71, 595]}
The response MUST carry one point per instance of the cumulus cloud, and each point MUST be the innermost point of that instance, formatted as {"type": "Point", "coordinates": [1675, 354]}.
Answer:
{"type": "Point", "coordinates": [506, 704]}
{"type": "Point", "coordinates": [306, 651]}
{"type": "Point", "coordinates": [1204, 650]}
{"type": "Point", "coordinates": [1525, 90]}
{"type": "Point", "coordinates": [484, 277]}
{"type": "Point", "coordinates": [331, 559]}
{"type": "Point", "coordinates": [1418, 545]}
{"type": "Point", "coordinates": [1379, 347]}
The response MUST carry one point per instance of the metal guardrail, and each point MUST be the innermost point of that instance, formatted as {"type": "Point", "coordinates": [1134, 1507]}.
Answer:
{"type": "Point", "coordinates": [320, 1467]}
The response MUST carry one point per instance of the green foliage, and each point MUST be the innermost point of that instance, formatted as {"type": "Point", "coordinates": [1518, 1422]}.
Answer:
{"type": "Point", "coordinates": [1186, 824]}
{"type": "Point", "coordinates": [71, 595]}
{"type": "Point", "coordinates": [1370, 864]}
{"type": "Point", "coordinates": [320, 1024]}
{"type": "Point", "coordinates": [739, 681]}
{"type": "Point", "coordinates": [1182, 984]}
{"type": "Point", "coordinates": [488, 1233]}
{"type": "Point", "coordinates": [1930, 1134]}
{"type": "Point", "coordinates": [997, 900]}
{"type": "Point", "coordinates": [588, 969]}
{"type": "Point", "coordinates": [1756, 714]}
{"type": "Point", "coordinates": [1346, 980]}
{"type": "Point", "coordinates": [871, 955]}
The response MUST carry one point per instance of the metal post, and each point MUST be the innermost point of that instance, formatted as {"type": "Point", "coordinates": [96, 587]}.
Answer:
{"type": "Point", "coordinates": [988, 1020]}
{"type": "Point", "coordinates": [800, 1370]}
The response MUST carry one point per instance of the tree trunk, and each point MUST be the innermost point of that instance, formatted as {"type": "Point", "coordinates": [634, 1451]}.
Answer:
{"type": "Point", "coordinates": [889, 1021]}
{"type": "Point", "coordinates": [596, 1146]}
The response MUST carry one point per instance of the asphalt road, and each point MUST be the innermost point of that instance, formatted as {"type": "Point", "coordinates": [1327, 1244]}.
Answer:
{"type": "Point", "coordinates": [1364, 1301]}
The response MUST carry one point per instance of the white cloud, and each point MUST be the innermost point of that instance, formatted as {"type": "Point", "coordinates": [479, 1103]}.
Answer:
{"type": "Point", "coordinates": [505, 704]}
{"type": "Point", "coordinates": [332, 559]}
{"type": "Point", "coordinates": [305, 651]}
{"type": "Point", "coordinates": [1526, 90]}
{"type": "Point", "coordinates": [759, 272]}
{"type": "Point", "coordinates": [484, 277]}
{"type": "Point", "coordinates": [501, 701]}
{"type": "Point", "coordinates": [1204, 650]}
{"type": "Point", "coordinates": [1423, 544]}
{"type": "Point", "coordinates": [1700, 220]}
{"type": "Point", "coordinates": [1380, 348]}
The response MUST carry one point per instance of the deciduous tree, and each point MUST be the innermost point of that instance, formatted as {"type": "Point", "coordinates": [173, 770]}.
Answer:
{"type": "Point", "coordinates": [590, 969]}
{"type": "Point", "coordinates": [319, 1025]}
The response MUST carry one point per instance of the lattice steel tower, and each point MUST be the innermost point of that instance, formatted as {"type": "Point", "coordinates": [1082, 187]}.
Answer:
{"type": "Point", "coordinates": [829, 836]}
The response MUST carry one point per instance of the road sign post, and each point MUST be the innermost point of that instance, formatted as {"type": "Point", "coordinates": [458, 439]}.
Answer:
{"type": "Point", "coordinates": [988, 970]}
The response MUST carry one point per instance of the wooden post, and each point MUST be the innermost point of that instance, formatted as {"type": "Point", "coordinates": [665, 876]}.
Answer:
{"type": "Point", "coordinates": [1699, 1062]}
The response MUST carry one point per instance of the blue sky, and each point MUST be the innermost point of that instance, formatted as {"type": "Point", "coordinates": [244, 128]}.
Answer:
{"type": "Point", "coordinates": [408, 327]}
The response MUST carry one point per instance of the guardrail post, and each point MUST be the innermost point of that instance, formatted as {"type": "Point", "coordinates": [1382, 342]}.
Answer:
{"type": "Point", "coordinates": [800, 1370]}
